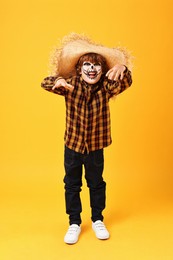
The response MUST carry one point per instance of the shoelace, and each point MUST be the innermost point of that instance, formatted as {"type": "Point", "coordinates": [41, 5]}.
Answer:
{"type": "Point", "coordinates": [72, 229]}
{"type": "Point", "coordinates": [100, 226]}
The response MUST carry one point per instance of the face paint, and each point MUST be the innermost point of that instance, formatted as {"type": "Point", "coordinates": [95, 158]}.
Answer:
{"type": "Point", "coordinates": [91, 72]}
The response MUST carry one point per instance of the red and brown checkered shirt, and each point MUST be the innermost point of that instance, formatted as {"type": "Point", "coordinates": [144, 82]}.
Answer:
{"type": "Point", "coordinates": [87, 110]}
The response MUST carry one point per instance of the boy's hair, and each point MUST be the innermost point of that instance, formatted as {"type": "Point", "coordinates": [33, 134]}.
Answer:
{"type": "Point", "coordinates": [94, 58]}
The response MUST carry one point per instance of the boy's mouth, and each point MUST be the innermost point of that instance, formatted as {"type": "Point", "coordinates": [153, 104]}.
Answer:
{"type": "Point", "coordinates": [92, 74]}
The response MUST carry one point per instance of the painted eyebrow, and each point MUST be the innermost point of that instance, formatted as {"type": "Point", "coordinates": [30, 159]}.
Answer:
{"type": "Point", "coordinates": [95, 63]}
{"type": "Point", "coordinates": [86, 63]}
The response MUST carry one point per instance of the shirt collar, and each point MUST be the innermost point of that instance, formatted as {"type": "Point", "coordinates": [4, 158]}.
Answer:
{"type": "Point", "coordinates": [91, 87]}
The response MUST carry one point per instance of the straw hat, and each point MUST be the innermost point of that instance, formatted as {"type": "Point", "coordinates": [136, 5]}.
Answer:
{"type": "Point", "coordinates": [73, 46]}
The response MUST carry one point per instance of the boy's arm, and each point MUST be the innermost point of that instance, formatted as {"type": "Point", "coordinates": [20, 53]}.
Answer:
{"type": "Point", "coordinates": [56, 85]}
{"type": "Point", "coordinates": [117, 80]}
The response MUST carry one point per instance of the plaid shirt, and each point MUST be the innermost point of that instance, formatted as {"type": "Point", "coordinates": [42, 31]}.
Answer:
{"type": "Point", "coordinates": [87, 110]}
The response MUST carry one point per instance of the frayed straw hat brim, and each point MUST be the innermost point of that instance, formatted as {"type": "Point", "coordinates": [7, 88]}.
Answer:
{"type": "Point", "coordinates": [75, 45]}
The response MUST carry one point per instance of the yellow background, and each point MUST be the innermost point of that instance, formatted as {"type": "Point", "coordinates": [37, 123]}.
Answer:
{"type": "Point", "coordinates": [138, 165]}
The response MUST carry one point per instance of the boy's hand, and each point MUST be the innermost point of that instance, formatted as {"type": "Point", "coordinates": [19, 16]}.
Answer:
{"type": "Point", "coordinates": [62, 83]}
{"type": "Point", "coordinates": [117, 72]}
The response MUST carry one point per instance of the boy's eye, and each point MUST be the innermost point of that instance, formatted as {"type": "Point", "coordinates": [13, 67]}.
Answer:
{"type": "Point", "coordinates": [86, 63]}
{"type": "Point", "coordinates": [97, 64]}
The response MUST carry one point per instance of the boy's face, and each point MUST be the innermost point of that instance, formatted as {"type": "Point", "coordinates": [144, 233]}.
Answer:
{"type": "Point", "coordinates": [91, 72]}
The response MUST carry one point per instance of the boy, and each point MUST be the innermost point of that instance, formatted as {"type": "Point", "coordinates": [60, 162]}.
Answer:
{"type": "Point", "coordinates": [87, 75]}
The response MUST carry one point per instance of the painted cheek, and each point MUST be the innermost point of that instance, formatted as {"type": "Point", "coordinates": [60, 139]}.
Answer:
{"type": "Point", "coordinates": [89, 80]}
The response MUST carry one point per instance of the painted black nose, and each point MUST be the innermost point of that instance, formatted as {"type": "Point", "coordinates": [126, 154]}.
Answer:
{"type": "Point", "coordinates": [92, 67]}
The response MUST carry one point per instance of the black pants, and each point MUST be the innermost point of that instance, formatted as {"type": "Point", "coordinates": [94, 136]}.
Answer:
{"type": "Point", "coordinates": [93, 164]}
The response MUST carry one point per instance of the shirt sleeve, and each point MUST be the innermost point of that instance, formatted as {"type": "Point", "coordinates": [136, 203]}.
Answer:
{"type": "Point", "coordinates": [48, 84]}
{"type": "Point", "coordinates": [114, 88]}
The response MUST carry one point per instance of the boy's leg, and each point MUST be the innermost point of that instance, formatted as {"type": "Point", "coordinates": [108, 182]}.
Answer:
{"type": "Point", "coordinates": [73, 183]}
{"type": "Point", "coordinates": [94, 165]}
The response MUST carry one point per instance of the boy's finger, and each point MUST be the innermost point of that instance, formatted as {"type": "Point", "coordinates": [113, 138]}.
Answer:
{"type": "Point", "coordinates": [112, 75]}
{"type": "Point", "coordinates": [70, 87]}
{"type": "Point", "coordinates": [53, 88]}
{"type": "Point", "coordinates": [122, 75]}
{"type": "Point", "coordinates": [117, 76]}
{"type": "Point", "coordinates": [109, 73]}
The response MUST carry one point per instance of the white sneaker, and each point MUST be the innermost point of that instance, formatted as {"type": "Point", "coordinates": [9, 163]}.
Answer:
{"type": "Point", "coordinates": [100, 230]}
{"type": "Point", "coordinates": [72, 234]}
